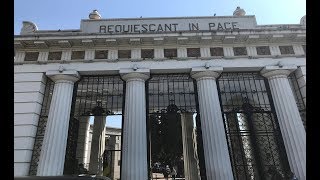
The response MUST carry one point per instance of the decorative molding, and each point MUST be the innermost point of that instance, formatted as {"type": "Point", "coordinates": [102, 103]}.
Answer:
{"type": "Point", "coordinates": [64, 43]}
{"type": "Point", "coordinates": [87, 42]}
{"type": "Point", "coordinates": [41, 44]}
{"type": "Point", "coordinates": [211, 72]}
{"type": "Point", "coordinates": [62, 74]}
{"type": "Point", "coordinates": [276, 71]}
{"type": "Point", "coordinates": [131, 76]}
{"type": "Point", "coordinates": [28, 27]}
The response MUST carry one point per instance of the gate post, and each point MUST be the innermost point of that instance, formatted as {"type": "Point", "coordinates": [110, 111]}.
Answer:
{"type": "Point", "coordinates": [216, 154]}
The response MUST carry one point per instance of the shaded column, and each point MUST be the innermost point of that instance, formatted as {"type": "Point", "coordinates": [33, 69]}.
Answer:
{"type": "Point", "coordinates": [216, 154]}
{"type": "Point", "coordinates": [291, 126]}
{"type": "Point", "coordinates": [52, 157]}
{"type": "Point", "coordinates": [97, 145]}
{"type": "Point", "coordinates": [189, 160]}
{"type": "Point", "coordinates": [82, 139]}
{"type": "Point", "coordinates": [134, 149]}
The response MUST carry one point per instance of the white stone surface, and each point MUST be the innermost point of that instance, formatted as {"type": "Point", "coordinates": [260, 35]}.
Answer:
{"type": "Point", "coordinates": [22, 155]}
{"type": "Point", "coordinates": [274, 50]}
{"type": "Point", "coordinates": [112, 54]}
{"type": "Point", "coordinates": [28, 97]}
{"type": "Point", "coordinates": [26, 119]}
{"type": "Point", "coordinates": [181, 52]}
{"type": "Point", "coordinates": [252, 51]}
{"type": "Point", "coordinates": [97, 145]}
{"type": "Point", "coordinates": [228, 51]}
{"type": "Point", "coordinates": [89, 54]}
{"type": "Point", "coordinates": [136, 53]}
{"type": "Point", "coordinates": [205, 51]}
{"type": "Point", "coordinates": [159, 53]}
{"type": "Point", "coordinates": [298, 50]}
{"type": "Point", "coordinates": [83, 132]}
{"type": "Point", "coordinates": [134, 148]}
{"type": "Point", "coordinates": [23, 143]}
{"type": "Point", "coordinates": [292, 130]}
{"type": "Point", "coordinates": [43, 56]}
{"type": "Point", "coordinates": [51, 161]}
{"type": "Point", "coordinates": [32, 107]}
{"type": "Point", "coordinates": [189, 160]}
{"type": "Point", "coordinates": [24, 131]}
{"type": "Point", "coordinates": [216, 154]}
{"type": "Point", "coordinates": [21, 169]}
{"type": "Point", "coordinates": [19, 57]}
{"type": "Point", "coordinates": [239, 64]}
{"type": "Point", "coordinates": [29, 87]}
{"type": "Point", "coordinates": [29, 77]}
{"type": "Point", "coordinates": [66, 55]}
{"type": "Point", "coordinates": [183, 23]}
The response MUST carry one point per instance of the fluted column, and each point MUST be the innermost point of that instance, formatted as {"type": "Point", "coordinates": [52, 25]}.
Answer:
{"type": "Point", "coordinates": [217, 161]}
{"type": "Point", "coordinates": [97, 145]}
{"type": "Point", "coordinates": [83, 133]}
{"type": "Point", "coordinates": [134, 149]}
{"type": "Point", "coordinates": [291, 126]}
{"type": "Point", "coordinates": [189, 160]}
{"type": "Point", "coordinates": [52, 157]}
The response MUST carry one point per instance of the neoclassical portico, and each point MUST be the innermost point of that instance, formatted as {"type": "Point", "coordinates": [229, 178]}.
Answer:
{"type": "Point", "coordinates": [52, 156]}
{"type": "Point", "coordinates": [137, 70]}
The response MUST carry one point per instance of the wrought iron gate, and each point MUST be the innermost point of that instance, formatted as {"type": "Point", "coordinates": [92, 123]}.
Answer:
{"type": "Point", "coordinates": [298, 97]}
{"type": "Point", "coordinates": [253, 134]}
{"type": "Point", "coordinates": [100, 92]}
{"type": "Point", "coordinates": [168, 96]}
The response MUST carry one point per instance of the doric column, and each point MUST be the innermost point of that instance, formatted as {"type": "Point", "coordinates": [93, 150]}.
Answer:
{"type": "Point", "coordinates": [292, 130]}
{"type": "Point", "coordinates": [97, 145]}
{"type": "Point", "coordinates": [134, 149]}
{"type": "Point", "coordinates": [83, 134]}
{"type": "Point", "coordinates": [189, 160]}
{"type": "Point", "coordinates": [215, 146]}
{"type": "Point", "coordinates": [51, 162]}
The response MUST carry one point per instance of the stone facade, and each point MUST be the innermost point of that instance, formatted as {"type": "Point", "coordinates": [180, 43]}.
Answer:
{"type": "Point", "coordinates": [244, 47]}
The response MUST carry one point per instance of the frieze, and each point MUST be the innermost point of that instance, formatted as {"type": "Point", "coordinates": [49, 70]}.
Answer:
{"type": "Point", "coordinates": [150, 25]}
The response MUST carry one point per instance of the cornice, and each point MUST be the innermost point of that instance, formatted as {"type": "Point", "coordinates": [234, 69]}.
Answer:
{"type": "Point", "coordinates": [204, 37]}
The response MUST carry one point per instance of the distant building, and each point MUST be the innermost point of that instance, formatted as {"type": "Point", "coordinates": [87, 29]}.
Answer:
{"type": "Point", "coordinates": [243, 85]}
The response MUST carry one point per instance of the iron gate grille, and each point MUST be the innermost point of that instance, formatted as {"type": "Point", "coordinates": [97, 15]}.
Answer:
{"type": "Point", "coordinates": [298, 97]}
{"type": "Point", "coordinates": [94, 90]}
{"type": "Point", "coordinates": [255, 143]}
{"type": "Point", "coordinates": [168, 96]}
{"type": "Point", "coordinates": [41, 127]}
{"type": "Point", "coordinates": [101, 92]}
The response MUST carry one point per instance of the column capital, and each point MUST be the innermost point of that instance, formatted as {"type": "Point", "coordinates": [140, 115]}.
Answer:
{"type": "Point", "coordinates": [277, 71]}
{"type": "Point", "coordinates": [211, 72]}
{"type": "Point", "coordinates": [130, 74]}
{"type": "Point", "coordinates": [69, 75]}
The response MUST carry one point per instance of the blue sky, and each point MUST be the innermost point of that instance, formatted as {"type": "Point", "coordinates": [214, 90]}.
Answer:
{"type": "Point", "coordinates": [66, 14]}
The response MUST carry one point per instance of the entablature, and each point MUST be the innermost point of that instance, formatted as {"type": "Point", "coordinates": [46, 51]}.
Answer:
{"type": "Point", "coordinates": [80, 40]}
